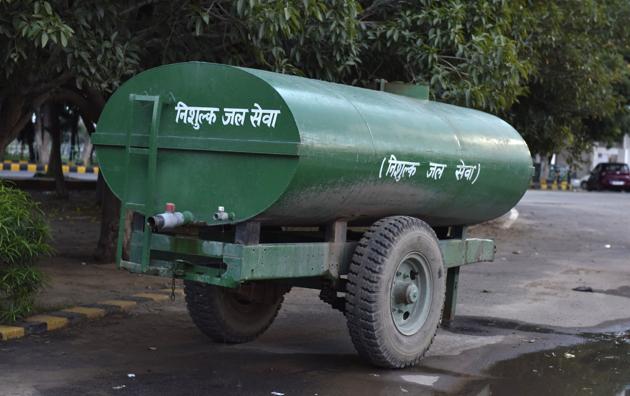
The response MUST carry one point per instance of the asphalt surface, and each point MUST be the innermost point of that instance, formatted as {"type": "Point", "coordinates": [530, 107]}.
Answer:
{"type": "Point", "coordinates": [24, 175]}
{"type": "Point", "coordinates": [519, 304]}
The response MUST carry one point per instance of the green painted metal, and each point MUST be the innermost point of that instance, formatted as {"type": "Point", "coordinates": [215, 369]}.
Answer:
{"type": "Point", "coordinates": [199, 166]}
{"type": "Point", "coordinates": [241, 263]}
{"type": "Point", "coordinates": [184, 271]}
{"type": "Point", "coordinates": [333, 152]}
{"type": "Point", "coordinates": [229, 264]}
{"type": "Point", "coordinates": [458, 252]}
{"type": "Point", "coordinates": [450, 300]}
{"type": "Point", "coordinates": [151, 167]}
{"type": "Point", "coordinates": [296, 260]}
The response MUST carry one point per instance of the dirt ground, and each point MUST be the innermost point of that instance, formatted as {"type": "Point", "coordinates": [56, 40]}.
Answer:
{"type": "Point", "coordinates": [73, 275]}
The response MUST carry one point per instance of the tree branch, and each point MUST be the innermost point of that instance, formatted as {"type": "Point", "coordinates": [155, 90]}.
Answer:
{"type": "Point", "coordinates": [59, 81]}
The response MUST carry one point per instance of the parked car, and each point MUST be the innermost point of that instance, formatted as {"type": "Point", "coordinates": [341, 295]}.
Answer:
{"type": "Point", "coordinates": [579, 183]}
{"type": "Point", "coordinates": [609, 176]}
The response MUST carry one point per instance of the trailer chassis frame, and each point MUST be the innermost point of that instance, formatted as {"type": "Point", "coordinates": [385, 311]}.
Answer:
{"type": "Point", "coordinates": [232, 264]}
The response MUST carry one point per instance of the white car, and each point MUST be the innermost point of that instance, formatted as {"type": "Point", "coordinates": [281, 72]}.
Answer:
{"type": "Point", "coordinates": [579, 183]}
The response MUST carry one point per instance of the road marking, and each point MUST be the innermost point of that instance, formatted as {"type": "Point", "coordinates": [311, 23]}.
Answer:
{"type": "Point", "coordinates": [153, 296]}
{"type": "Point", "coordinates": [11, 332]}
{"type": "Point", "coordinates": [52, 322]}
{"type": "Point", "coordinates": [125, 305]}
{"type": "Point", "coordinates": [91, 313]}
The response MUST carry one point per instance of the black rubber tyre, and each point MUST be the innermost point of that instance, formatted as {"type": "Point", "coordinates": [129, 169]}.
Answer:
{"type": "Point", "coordinates": [369, 300]}
{"type": "Point", "coordinates": [233, 316]}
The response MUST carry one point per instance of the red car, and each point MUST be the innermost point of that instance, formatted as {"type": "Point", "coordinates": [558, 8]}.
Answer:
{"type": "Point", "coordinates": [609, 176]}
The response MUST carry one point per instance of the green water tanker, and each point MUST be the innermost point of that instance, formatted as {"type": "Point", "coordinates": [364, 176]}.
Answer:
{"type": "Point", "coordinates": [246, 183]}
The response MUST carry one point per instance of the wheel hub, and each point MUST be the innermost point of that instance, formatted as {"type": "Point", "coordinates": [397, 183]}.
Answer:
{"type": "Point", "coordinates": [411, 293]}
{"type": "Point", "coordinates": [410, 297]}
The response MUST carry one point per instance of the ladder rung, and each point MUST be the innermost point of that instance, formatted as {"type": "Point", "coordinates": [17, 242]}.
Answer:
{"type": "Point", "coordinates": [139, 150]}
{"type": "Point", "coordinates": [144, 98]}
{"type": "Point", "coordinates": [134, 206]}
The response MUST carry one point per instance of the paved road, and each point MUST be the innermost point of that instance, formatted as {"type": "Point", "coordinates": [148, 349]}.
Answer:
{"type": "Point", "coordinates": [522, 302]}
{"type": "Point", "coordinates": [22, 175]}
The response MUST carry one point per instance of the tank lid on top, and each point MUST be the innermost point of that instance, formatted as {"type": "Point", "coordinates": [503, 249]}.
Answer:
{"type": "Point", "coordinates": [415, 91]}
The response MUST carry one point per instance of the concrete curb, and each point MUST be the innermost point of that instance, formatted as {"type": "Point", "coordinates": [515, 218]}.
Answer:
{"type": "Point", "coordinates": [21, 166]}
{"type": "Point", "coordinates": [49, 321]}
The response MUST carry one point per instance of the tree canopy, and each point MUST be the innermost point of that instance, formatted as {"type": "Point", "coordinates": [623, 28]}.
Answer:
{"type": "Point", "coordinates": [579, 90]}
{"type": "Point", "coordinates": [470, 53]}
{"type": "Point", "coordinates": [557, 70]}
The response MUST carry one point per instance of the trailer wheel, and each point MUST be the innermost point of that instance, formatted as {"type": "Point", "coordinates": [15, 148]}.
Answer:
{"type": "Point", "coordinates": [233, 316]}
{"type": "Point", "coordinates": [395, 292]}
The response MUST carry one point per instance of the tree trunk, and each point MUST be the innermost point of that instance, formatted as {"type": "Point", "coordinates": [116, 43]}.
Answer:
{"type": "Point", "coordinates": [53, 111]}
{"type": "Point", "coordinates": [42, 139]}
{"type": "Point", "coordinates": [43, 146]}
{"type": "Point", "coordinates": [28, 135]}
{"type": "Point", "coordinates": [128, 231]}
{"type": "Point", "coordinates": [74, 132]}
{"type": "Point", "coordinates": [106, 247]}
{"type": "Point", "coordinates": [544, 168]}
{"type": "Point", "coordinates": [31, 152]}
{"type": "Point", "coordinates": [12, 119]}
{"type": "Point", "coordinates": [86, 154]}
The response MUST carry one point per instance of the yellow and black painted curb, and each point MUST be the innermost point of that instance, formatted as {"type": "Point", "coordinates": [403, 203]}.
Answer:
{"type": "Point", "coordinates": [555, 186]}
{"type": "Point", "coordinates": [49, 321]}
{"type": "Point", "coordinates": [21, 166]}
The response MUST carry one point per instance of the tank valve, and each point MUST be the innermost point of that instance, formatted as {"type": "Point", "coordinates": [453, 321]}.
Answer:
{"type": "Point", "coordinates": [222, 215]}
{"type": "Point", "coordinates": [169, 220]}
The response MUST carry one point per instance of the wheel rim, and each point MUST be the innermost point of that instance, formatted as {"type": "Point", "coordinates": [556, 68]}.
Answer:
{"type": "Point", "coordinates": [410, 294]}
{"type": "Point", "coordinates": [238, 304]}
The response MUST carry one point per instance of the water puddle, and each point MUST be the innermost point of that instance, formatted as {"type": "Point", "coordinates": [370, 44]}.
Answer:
{"type": "Point", "coordinates": [599, 367]}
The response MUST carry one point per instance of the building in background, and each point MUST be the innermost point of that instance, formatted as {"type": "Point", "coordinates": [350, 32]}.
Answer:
{"type": "Point", "coordinates": [618, 153]}
{"type": "Point", "coordinates": [558, 168]}
{"type": "Point", "coordinates": [600, 153]}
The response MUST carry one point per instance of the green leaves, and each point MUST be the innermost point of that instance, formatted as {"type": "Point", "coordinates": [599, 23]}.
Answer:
{"type": "Point", "coordinates": [464, 50]}
{"type": "Point", "coordinates": [554, 69]}
{"type": "Point", "coordinates": [18, 286]}
{"type": "Point", "coordinates": [23, 238]}
{"type": "Point", "coordinates": [313, 38]}
{"type": "Point", "coordinates": [41, 40]}
{"type": "Point", "coordinates": [23, 231]}
{"type": "Point", "coordinates": [43, 25]}
{"type": "Point", "coordinates": [580, 54]}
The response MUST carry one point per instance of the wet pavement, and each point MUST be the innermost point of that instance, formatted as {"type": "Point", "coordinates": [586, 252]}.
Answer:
{"type": "Point", "coordinates": [166, 355]}
{"type": "Point", "coordinates": [518, 318]}
{"type": "Point", "coordinates": [598, 367]}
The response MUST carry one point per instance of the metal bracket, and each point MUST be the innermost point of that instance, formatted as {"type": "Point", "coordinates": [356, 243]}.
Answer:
{"type": "Point", "coordinates": [336, 231]}
{"type": "Point", "coordinates": [247, 233]}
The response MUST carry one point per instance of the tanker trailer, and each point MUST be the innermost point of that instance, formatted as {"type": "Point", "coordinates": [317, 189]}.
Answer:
{"type": "Point", "coordinates": [245, 183]}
